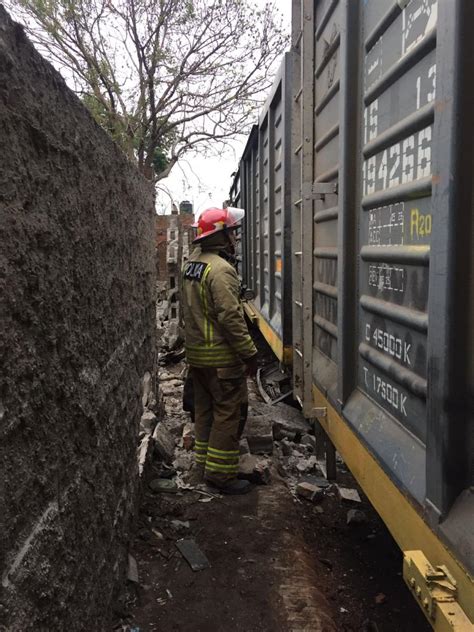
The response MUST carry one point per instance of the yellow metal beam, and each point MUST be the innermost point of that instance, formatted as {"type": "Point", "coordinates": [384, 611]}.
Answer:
{"type": "Point", "coordinates": [436, 592]}
{"type": "Point", "coordinates": [405, 524]}
{"type": "Point", "coordinates": [284, 354]}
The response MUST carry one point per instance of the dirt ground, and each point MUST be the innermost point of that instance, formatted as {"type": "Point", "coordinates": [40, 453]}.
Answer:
{"type": "Point", "coordinates": [277, 563]}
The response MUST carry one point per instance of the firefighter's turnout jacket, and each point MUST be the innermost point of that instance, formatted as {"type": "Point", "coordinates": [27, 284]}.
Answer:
{"type": "Point", "coordinates": [216, 331]}
{"type": "Point", "coordinates": [217, 345]}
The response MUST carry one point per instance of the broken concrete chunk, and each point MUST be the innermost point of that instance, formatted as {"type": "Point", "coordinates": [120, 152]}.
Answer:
{"type": "Point", "coordinates": [258, 408]}
{"type": "Point", "coordinates": [309, 441]}
{"type": "Point", "coordinates": [174, 338]}
{"type": "Point", "coordinates": [261, 445]}
{"type": "Point", "coordinates": [164, 443]}
{"type": "Point", "coordinates": [192, 554]}
{"type": "Point", "coordinates": [262, 473]}
{"type": "Point", "coordinates": [175, 424]}
{"type": "Point", "coordinates": [148, 421]}
{"type": "Point", "coordinates": [174, 407]}
{"type": "Point", "coordinates": [255, 470]}
{"type": "Point", "coordinates": [306, 465]}
{"type": "Point", "coordinates": [163, 485]}
{"type": "Point", "coordinates": [319, 481]}
{"type": "Point", "coordinates": [180, 524]}
{"type": "Point", "coordinates": [356, 516]}
{"type": "Point", "coordinates": [247, 463]}
{"type": "Point", "coordinates": [184, 461]}
{"type": "Point", "coordinates": [259, 434]}
{"type": "Point", "coordinates": [152, 403]}
{"type": "Point", "coordinates": [287, 422]}
{"type": "Point", "coordinates": [132, 571]}
{"type": "Point", "coordinates": [144, 453]}
{"type": "Point", "coordinates": [188, 436]}
{"type": "Point", "coordinates": [280, 433]}
{"type": "Point", "coordinates": [290, 418]}
{"type": "Point", "coordinates": [164, 376]}
{"type": "Point", "coordinates": [348, 494]}
{"type": "Point", "coordinates": [286, 448]}
{"type": "Point", "coordinates": [146, 388]}
{"type": "Point", "coordinates": [310, 492]}
{"type": "Point", "coordinates": [171, 388]}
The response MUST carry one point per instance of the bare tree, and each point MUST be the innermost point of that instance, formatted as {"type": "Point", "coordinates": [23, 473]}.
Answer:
{"type": "Point", "coordinates": [164, 77]}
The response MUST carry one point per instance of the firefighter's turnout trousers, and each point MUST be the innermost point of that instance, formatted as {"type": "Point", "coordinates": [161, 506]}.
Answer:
{"type": "Point", "coordinates": [219, 394]}
{"type": "Point", "coordinates": [217, 346]}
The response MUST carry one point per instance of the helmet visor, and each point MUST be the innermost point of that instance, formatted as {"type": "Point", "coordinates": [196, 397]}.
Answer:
{"type": "Point", "coordinates": [235, 215]}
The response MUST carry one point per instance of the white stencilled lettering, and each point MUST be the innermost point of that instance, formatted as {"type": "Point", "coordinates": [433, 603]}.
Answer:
{"type": "Point", "coordinates": [388, 392]}
{"type": "Point", "coordinates": [402, 163]}
{"type": "Point", "coordinates": [387, 278]}
{"type": "Point", "coordinates": [391, 344]}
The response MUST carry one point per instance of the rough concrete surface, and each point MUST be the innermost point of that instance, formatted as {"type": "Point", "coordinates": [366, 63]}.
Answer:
{"type": "Point", "coordinates": [77, 312]}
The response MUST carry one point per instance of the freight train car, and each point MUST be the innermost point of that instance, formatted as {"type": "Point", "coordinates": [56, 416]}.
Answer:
{"type": "Point", "coordinates": [262, 186]}
{"type": "Point", "coordinates": [381, 168]}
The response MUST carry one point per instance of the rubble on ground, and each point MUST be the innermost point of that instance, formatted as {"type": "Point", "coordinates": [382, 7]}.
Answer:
{"type": "Point", "coordinates": [277, 441]}
{"type": "Point", "coordinates": [192, 554]}
{"type": "Point", "coordinates": [310, 492]}
{"type": "Point", "coordinates": [148, 422]}
{"type": "Point", "coordinates": [348, 495]}
{"type": "Point", "coordinates": [259, 434]}
{"type": "Point", "coordinates": [254, 469]}
{"type": "Point", "coordinates": [132, 570]}
{"type": "Point", "coordinates": [164, 443]}
{"type": "Point", "coordinates": [278, 447]}
{"type": "Point", "coordinates": [188, 436]}
{"type": "Point", "coordinates": [163, 485]}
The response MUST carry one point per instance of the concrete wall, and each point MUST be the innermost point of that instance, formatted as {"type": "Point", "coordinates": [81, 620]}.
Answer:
{"type": "Point", "coordinates": [77, 326]}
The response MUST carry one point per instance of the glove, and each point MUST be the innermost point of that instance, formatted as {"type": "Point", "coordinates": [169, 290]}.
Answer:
{"type": "Point", "coordinates": [252, 366]}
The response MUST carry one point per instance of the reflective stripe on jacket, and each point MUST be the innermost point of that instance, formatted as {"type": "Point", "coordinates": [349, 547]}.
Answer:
{"type": "Point", "coordinates": [216, 331]}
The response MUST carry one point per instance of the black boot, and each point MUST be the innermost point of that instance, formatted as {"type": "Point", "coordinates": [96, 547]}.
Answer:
{"type": "Point", "coordinates": [233, 487]}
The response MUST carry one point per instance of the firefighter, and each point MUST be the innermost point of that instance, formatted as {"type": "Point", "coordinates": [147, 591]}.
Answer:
{"type": "Point", "coordinates": [219, 349]}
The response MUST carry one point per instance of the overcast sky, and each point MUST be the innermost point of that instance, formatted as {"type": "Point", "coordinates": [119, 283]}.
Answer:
{"type": "Point", "coordinates": [206, 181]}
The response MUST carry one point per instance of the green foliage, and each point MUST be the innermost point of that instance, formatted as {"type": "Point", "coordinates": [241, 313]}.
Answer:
{"type": "Point", "coordinates": [160, 160]}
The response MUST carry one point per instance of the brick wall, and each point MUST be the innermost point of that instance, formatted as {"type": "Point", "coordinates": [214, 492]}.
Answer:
{"type": "Point", "coordinates": [163, 222]}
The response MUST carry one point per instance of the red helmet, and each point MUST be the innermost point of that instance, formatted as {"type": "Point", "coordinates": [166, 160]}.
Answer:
{"type": "Point", "coordinates": [212, 220]}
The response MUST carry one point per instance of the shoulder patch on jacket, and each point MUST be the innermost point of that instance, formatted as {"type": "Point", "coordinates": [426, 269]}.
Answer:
{"type": "Point", "coordinates": [194, 270]}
